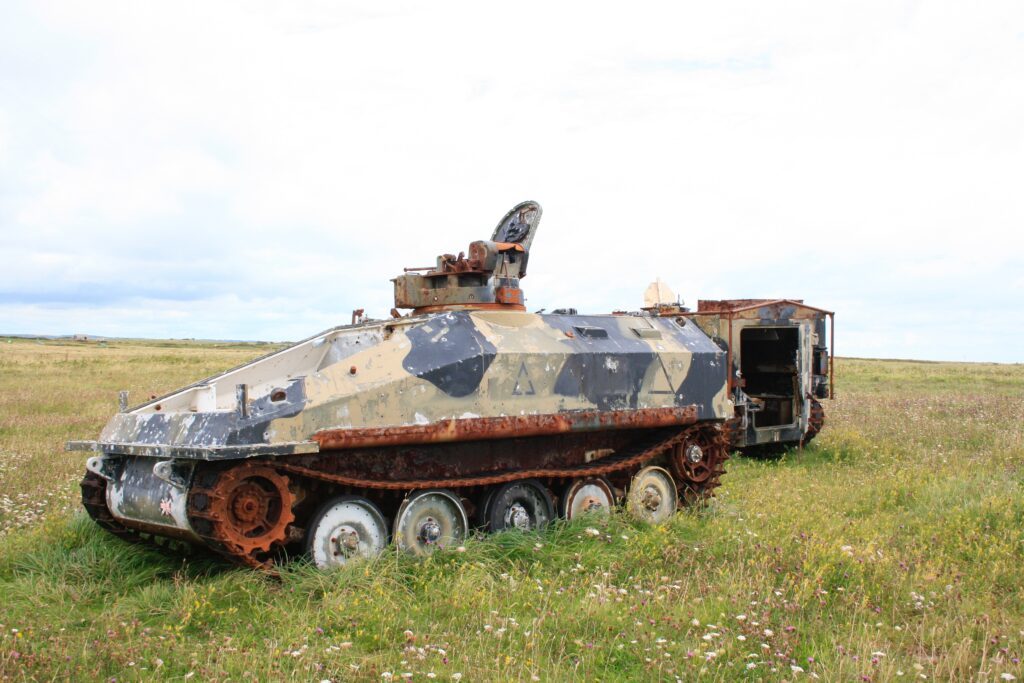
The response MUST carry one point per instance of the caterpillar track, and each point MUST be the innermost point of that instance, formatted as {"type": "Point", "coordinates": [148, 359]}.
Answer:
{"type": "Point", "coordinates": [816, 421]}
{"type": "Point", "coordinates": [250, 524]}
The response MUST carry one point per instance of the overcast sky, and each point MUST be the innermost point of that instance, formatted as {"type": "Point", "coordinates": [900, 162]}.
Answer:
{"type": "Point", "coordinates": [257, 170]}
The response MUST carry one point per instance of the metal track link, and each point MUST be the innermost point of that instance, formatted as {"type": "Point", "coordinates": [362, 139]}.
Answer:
{"type": "Point", "coordinates": [815, 422]}
{"type": "Point", "coordinates": [641, 451]}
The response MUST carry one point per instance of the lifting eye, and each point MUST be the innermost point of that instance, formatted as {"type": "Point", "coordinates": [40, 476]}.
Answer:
{"type": "Point", "coordinates": [278, 395]}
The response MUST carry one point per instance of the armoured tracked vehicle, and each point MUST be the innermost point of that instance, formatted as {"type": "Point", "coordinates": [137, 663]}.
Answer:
{"type": "Point", "coordinates": [467, 412]}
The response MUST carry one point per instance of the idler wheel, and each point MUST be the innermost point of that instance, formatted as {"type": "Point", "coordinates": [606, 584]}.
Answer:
{"type": "Point", "coordinates": [592, 495]}
{"type": "Point", "coordinates": [652, 495]}
{"type": "Point", "coordinates": [251, 507]}
{"type": "Point", "coordinates": [524, 505]}
{"type": "Point", "coordinates": [345, 528]}
{"type": "Point", "coordinates": [428, 520]}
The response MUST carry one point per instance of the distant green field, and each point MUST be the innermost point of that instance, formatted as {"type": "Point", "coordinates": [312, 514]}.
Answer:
{"type": "Point", "coordinates": [892, 549]}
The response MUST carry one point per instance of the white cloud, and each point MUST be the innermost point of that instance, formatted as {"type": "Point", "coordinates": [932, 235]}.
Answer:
{"type": "Point", "coordinates": [863, 156]}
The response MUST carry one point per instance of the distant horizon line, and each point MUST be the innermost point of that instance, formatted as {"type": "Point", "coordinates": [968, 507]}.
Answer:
{"type": "Point", "coordinates": [102, 337]}
{"type": "Point", "coordinates": [99, 338]}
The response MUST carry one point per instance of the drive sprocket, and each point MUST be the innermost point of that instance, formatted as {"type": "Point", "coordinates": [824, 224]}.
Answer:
{"type": "Point", "coordinates": [698, 463]}
{"type": "Point", "coordinates": [242, 511]}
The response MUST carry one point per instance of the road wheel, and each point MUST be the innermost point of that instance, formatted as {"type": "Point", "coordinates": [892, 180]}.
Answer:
{"type": "Point", "coordinates": [525, 505]}
{"type": "Point", "coordinates": [652, 495]}
{"type": "Point", "coordinates": [588, 495]}
{"type": "Point", "coordinates": [345, 528]}
{"type": "Point", "coordinates": [428, 520]}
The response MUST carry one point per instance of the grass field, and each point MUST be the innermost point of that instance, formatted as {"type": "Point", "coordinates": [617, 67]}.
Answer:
{"type": "Point", "coordinates": [892, 549]}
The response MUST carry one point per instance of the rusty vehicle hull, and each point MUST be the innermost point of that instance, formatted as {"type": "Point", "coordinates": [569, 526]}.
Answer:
{"type": "Point", "coordinates": [470, 412]}
{"type": "Point", "coordinates": [460, 399]}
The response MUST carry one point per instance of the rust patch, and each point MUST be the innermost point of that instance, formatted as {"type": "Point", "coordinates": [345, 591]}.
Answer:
{"type": "Point", "coordinates": [440, 308]}
{"type": "Point", "coordinates": [638, 452]}
{"type": "Point", "coordinates": [244, 510]}
{"type": "Point", "coordinates": [483, 428]}
{"type": "Point", "coordinates": [509, 296]}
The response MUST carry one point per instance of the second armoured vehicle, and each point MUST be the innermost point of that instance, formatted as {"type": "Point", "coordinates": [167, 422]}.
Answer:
{"type": "Point", "coordinates": [467, 412]}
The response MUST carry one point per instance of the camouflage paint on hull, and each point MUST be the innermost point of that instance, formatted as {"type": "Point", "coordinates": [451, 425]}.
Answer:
{"type": "Point", "coordinates": [446, 366]}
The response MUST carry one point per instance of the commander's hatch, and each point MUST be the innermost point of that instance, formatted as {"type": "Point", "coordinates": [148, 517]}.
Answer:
{"type": "Point", "coordinates": [518, 226]}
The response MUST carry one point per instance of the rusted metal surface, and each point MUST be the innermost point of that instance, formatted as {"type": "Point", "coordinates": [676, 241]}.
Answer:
{"type": "Point", "coordinates": [832, 356]}
{"type": "Point", "coordinates": [639, 452]}
{"type": "Point", "coordinates": [724, 305]}
{"type": "Point", "coordinates": [440, 308]}
{"type": "Point", "coordinates": [242, 511]}
{"type": "Point", "coordinates": [509, 296]}
{"type": "Point", "coordinates": [740, 305]}
{"type": "Point", "coordinates": [483, 428]}
{"type": "Point", "coordinates": [488, 277]}
{"type": "Point", "coordinates": [815, 422]}
{"type": "Point", "coordinates": [470, 458]}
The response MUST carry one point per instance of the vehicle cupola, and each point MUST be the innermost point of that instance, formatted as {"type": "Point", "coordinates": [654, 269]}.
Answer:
{"type": "Point", "coordinates": [487, 278]}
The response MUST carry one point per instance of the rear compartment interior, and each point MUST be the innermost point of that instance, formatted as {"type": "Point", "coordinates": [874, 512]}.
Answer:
{"type": "Point", "coordinates": [769, 366]}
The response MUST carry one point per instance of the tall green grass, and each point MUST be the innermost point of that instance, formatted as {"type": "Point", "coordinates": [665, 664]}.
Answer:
{"type": "Point", "coordinates": [890, 550]}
